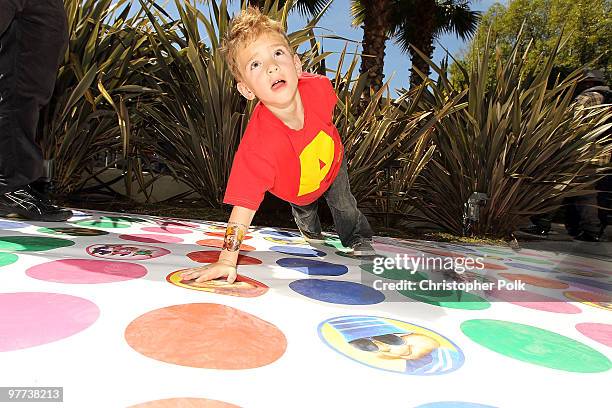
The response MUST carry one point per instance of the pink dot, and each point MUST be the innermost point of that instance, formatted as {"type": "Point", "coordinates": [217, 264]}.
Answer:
{"type": "Point", "coordinates": [30, 318]}
{"type": "Point", "coordinates": [151, 238]}
{"type": "Point", "coordinates": [600, 332]}
{"type": "Point", "coordinates": [535, 301]}
{"type": "Point", "coordinates": [167, 230]}
{"type": "Point", "coordinates": [86, 271]}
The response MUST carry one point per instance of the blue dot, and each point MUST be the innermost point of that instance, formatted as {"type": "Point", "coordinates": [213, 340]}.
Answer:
{"type": "Point", "coordinates": [454, 404]}
{"type": "Point", "coordinates": [299, 251]}
{"type": "Point", "coordinates": [12, 224]}
{"type": "Point", "coordinates": [281, 234]}
{"type": "Point", "coordinates": [529, 267]}
{"type": "Point", "coordinates": [587, 282]}
{"type": "Point", "coordinates": [340, 292]}
{"type": "Point", "coordinates": [312, 266]}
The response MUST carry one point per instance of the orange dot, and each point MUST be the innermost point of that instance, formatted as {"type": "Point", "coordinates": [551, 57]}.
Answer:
{"type": "Point", "coordinates": [206, 335]}
{"type": "Point", "coordinates": [185, 403]}
{"type": "Point", "coordinates": [217, 243]}
{"type": "Point", "coordinates": [535, 280]}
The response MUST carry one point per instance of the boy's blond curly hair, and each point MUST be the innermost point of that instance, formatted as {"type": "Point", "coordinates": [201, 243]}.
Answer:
{"type": "Point", "coordinates": [243, 30]}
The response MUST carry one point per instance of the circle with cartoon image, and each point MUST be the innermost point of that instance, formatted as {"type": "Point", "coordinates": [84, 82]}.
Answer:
{"type": "Point", "coordinates": [391, 345]}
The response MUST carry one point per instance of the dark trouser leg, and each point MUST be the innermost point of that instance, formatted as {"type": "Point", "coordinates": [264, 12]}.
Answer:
{"type": "Point", "coordinates": [604, 198]}
{"type": "Point", "coordinates": [30, 48]}
{"type": "Point", "coordinates": [543, 221]}
{"type": "Point", "coordinates": [307, 218]}
{"type": "Point", "coordinates": [350, 223]}
{"type": "Point", "coordinates": [588, 215]}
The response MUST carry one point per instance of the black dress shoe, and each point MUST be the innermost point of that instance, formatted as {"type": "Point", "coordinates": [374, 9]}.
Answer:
{"type": "Point", "coordinates": [588, 237]}
{"type": "Point", "coordinates": [29, 204]}
{"type": "Point", "coordinates": [536, 231]}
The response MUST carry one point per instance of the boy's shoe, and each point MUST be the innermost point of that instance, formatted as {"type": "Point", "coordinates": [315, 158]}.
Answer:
{"type": "Point", "coordinates": [312, 238]}
{"type": "Point", "coordinates": [27, 203]}
{"type": "Point", "coordinates": [586, 236]}
{"type": "Point", "coordinates": [363, 248]}
{"type": "Point", "coordinates": [535, 230]}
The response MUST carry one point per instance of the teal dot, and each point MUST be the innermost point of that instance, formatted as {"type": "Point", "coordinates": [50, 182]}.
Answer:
{"type": "Point", "coordinates": [394, 273]}
{"type": "Point", "coordinates": [535, 346]}
{"type": "Point", "coordinates": [7, 259]}
{"type": "Point", "coordinates": [32, 243]}
{"type": "Point", "coordinates": [453, 299]}
{"type": "Point", "coordinates": [103, 224]}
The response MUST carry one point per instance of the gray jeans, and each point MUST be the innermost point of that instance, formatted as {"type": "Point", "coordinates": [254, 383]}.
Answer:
{"type": "Point", "coordinates": [351, 225]}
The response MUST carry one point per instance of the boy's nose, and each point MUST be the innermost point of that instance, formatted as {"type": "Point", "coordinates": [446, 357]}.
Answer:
{"type": "Point", "coordinates": [272, 68]}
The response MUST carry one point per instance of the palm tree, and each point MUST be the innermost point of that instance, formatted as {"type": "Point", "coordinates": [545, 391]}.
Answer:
{"type": "Point", "coordinates": [375, 15]}
{"type": "Point", "coordinates": [305, 7]}
{"type": "Point", "coordinates": [420, 22]}
{"type": "Point", "coordinates": [416, 22]}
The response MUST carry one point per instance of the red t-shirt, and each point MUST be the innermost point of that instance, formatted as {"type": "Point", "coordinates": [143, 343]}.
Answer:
{"type": "Point", "coordinates": [297, 166]}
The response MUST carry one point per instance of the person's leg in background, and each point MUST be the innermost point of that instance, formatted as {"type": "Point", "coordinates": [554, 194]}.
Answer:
{"type": "Point", "coordinates": [589, 225]}
{"type": "Point", "coordinates": [352, 226]}
{"type": "Point", "coordinates": [33, 37]}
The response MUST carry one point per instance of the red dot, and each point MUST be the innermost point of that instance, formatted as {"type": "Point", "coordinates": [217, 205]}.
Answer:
{"type": "Point", "coordinates": [213, 256]}
{"type": "Point", "coordinates": [167, 230]}
{"type": "Point", "coordinates": [206, 335]}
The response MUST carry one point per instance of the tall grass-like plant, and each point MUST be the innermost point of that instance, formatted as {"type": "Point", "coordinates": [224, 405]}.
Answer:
{"type": "Point", "coordinates": [388, 144]}
{"type": "Point", "coordinates": [200, 116]}
{"type": "Point", "coordinates": [523, 144]}
{"type": "Point", "coordinates": [97, 81]}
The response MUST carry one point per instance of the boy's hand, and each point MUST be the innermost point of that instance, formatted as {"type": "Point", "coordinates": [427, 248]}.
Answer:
{"type": "Point", "coordinates": [210, 272]}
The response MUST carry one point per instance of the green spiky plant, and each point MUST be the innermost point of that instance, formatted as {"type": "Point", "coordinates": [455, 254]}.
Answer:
{"type": "Point", "coordinates": [520, 142]}
{"type": "Point", "coordinates": [197, 123]}
{"type": "Point", "coordinates": [98, 84]}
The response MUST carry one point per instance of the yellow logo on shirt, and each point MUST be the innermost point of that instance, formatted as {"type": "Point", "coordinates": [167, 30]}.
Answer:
{"type": "Point", "coordinates": [315, 160]}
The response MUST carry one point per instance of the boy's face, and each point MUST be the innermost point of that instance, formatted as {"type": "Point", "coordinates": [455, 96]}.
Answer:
{"type": "Point", "coordinates": [269, 71]}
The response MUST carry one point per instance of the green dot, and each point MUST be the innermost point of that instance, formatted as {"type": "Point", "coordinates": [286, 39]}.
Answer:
{"type": "Point", "coordinates": [103, 224]}
{"type": "Point", "coordinates": [394, 274]}
{"type": "Point", "coordinates": [31, 243]}
{"type": "Point", "coordinates": [73, 231]}
{"type": "Point", "coordinates": [495, 251]}
{"type": "Point", "coordinates": [454, 299]}
{"type": "Point", "coordinates": [532, 260]}
{"type": "Point", "coordinates": [7, 259]}
{"type": "Point", "coordinates": [335, 243]}
{"type": "Point", "coordinates": [536, 346]}
{"type": "Point", "coordinates": [123, 219]}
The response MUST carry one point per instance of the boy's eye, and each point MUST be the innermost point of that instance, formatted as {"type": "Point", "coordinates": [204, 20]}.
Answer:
{"type": "Point", "coordinates": [278, 52]}
{"type": "Point", "coordinates": [254, 64]}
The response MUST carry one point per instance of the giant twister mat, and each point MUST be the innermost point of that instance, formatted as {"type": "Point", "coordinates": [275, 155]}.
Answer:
{"type": "Point", "coordinates": [96, 306]}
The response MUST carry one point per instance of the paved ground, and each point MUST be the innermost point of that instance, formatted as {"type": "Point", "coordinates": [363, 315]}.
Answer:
{"type": "Point", "coordinates": [96, 306]}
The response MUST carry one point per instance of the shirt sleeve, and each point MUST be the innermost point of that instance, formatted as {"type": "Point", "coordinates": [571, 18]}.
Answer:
{"type": "Point", "coordinates": [251, 176]}
{"type": "Point", "coordinates": [330, 94]}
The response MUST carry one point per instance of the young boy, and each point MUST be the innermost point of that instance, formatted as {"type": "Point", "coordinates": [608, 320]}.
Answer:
{"type": "Point", "coordinates": [290, 148]}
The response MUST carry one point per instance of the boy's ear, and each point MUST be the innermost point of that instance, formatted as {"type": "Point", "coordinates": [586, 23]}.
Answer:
{"type": "Point", "coordinates": [245, 91]}
{"type": "Point", "coordinates": [298, 64]}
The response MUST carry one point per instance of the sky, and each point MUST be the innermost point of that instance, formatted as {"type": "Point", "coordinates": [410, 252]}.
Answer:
{"type": "Point", "coordinates": [337, 20]}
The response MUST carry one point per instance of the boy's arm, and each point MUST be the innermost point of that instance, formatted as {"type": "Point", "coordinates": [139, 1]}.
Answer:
{"type": "Point", "coordinates": [237, 227]}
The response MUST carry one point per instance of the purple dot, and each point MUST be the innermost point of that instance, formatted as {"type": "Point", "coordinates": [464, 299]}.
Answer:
{"type": "Point", "coordinates": [280, 234]}
{"type": "Point", "coordinates": [12, 224]}
{"type": "Point", "coordinates": [588, 282]}
{"type": "Point", "coordinates": [298, 251]}
{"type": "Point", "coordinates": [312, 266]}
{"type": "Point", "coordinates": [529, 267]}
{"type": "Point", "coordinates": [339, 292]}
